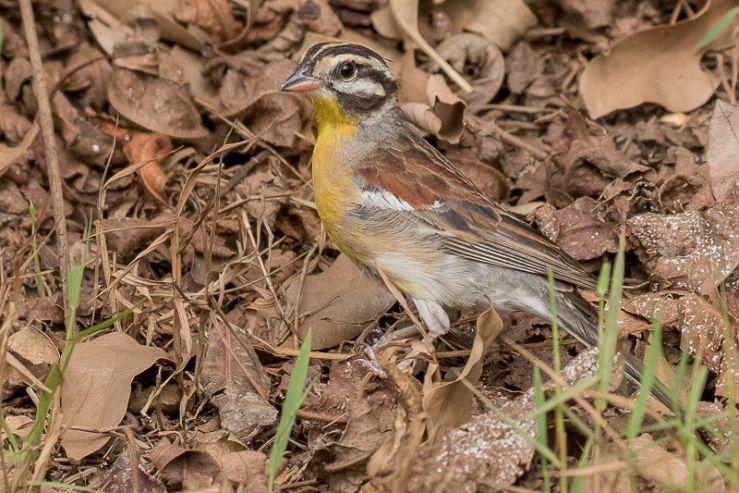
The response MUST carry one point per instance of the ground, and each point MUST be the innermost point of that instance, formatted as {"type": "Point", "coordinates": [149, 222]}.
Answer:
{"type": "Point", "coordinates": [161, 259]}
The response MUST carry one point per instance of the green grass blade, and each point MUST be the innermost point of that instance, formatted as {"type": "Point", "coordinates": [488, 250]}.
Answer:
{"type": "Point", "coordinates": [296, 392]}
{"type": "Point", "coordinates": [541, 427]}
{"type": "Point", "coordinates": [717, 28]}
{"type": "Point", "coordinates": [654, 351]}
{"type": "Point", "coordinates": [34, 246]}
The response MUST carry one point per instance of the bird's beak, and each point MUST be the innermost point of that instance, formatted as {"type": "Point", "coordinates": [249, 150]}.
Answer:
{"type": "Point", "coordinates": [299, 81]}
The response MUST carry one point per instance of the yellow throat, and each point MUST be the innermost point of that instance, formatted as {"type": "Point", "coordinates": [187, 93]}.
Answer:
{"type": "Point", "coordinates": [331, 179]}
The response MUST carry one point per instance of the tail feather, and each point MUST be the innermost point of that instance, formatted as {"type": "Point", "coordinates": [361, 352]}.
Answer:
{"type": "Point", "coordinates": [580, 319]}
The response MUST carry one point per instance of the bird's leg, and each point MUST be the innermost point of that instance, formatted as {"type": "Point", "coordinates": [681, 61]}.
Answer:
{"type": "Point", "coordinates": [434, 316]}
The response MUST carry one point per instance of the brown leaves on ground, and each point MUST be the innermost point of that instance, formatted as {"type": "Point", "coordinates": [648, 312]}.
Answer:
{"type": "Point", "coordinates": [173, 136]}
{"type": "Point", "coordinates": [337, 304]}
{"type": "Point", "coordinates": [96, 388]}
{"type": "Point", "coordinates": [693, 250]}
{"type": "Point", "coordinates": [660, 65]}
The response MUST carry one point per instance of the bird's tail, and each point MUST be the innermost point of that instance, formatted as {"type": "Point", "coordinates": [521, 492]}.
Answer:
{"type": "Point", "coordinates": [580, 319]}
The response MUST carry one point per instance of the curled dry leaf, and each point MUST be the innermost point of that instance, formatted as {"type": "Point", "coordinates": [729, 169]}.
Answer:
{"type": "Point", "coordinates": [338, 303]}
{"type": "Point", "coordinates": [693, 250]}
{"type": "Point", "coordinates": [578, 229]}
{"type": "Point", "coordinates": [449, 404]}
{"type": "Point", "coordinates": [701, 326]}
{"type": "Point", "coordinates": [592, 14]}
{"type": "Point", "coordinates": [97, 386]}
{"type": "Point", "coordinates": [479, 58]}
{"type": "Point", "coordinates": [429, 103]}
{"type": "Point", "coordinates": [487, 451]}
{"type": "Point", "coordinates": [145, 150]}
{"type": "Point", "coordinates": [723, 150]}
{"type": "Point", "coordinates": [659, 65]}
{"type": "Point", "coordinates": [156, 104]}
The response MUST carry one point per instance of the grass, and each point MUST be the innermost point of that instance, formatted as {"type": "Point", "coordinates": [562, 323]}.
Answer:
{"type": "Point", "coordinates": [297, 391]}
{"type": "Point", "coordinates": [24, 454]}
{"type": "Point", "coordinates": [684, 431]}
{"type": "Point", "coordinates": [719, 27]}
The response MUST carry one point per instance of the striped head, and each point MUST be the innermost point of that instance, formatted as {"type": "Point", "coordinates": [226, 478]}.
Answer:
{"type": "Point", "coordinates": [345, 81]}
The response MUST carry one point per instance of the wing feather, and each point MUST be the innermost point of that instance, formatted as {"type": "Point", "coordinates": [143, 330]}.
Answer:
{"type": "Point", "coordinates": [473, 226]}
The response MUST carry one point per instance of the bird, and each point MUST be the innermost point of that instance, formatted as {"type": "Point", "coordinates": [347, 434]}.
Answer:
{"type": "Point", "coordinates": [392, 203]}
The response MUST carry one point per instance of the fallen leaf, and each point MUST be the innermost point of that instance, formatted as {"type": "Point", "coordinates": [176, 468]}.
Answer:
{"type": "Point", "coordinates": [592, 14]}
{"type": "Point", "coordinates": [659, 65]}
{"type": "Point", "coordinates": [145, 150]}
{"type": "Point", "coordinates": [480, 59]}
{"type": "Point", "coordinates": [429, 103]}
{"type": "Point", "coordinates": [231, 365]}
{"type": "Point", "coordinates": [214, 16]}
{"type": "Point", "coordinates": [97, 386]}
{"type": "Point", "coordinates": [163, 11]}
{"type": "Point", "coordinates": [701, 327]}
{"type": "Point", "coordinates": [722, 153]}
{"type": "Point", "coordinates": [501, 21]}
{"type": "Point", "coordinates": [405, 14]}
{"type": "Point", "coordinates": [244, 414]}
{"type": "Point", "coordinates": [9, 155]}
{"type": "Point", "coordinates": [578, 229]}
{"type": "Point", "coordinates": [368, 413]}
{"type": "Point", "coordinates": [524, 66]}
{"type": "Point", "coordinates": [486, 451]}
{"type": "Point", "coordinates": [449, 404]}
{"type": "Point", "coordinates": [34, 349]}
{"type": "Point", "coordinates": [156, 104]}
{"type": "Point", "coordinates": [655, 463]}
{"type": "Point", "coordinates": [338, 303]}
{"type": "Point", "coordinates": [191, 470]}
{"type": "Point", "coordinates": [693, 250]}
{"type": "Point", "coordinates": [123, 477]}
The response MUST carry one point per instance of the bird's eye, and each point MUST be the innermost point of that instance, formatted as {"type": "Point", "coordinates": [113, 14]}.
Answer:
{"type": "Point", "coordinates": [347, 70]}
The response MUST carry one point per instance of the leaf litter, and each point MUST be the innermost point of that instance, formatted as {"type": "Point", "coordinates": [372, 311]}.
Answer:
{"type": "Point", "coordinates": [173, 137]}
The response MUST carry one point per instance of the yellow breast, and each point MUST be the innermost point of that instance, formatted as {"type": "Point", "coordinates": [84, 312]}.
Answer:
{"type": "Point", "coordinates": [332, 183]}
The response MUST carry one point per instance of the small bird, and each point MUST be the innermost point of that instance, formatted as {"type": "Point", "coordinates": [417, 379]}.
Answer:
{"type": "Point", "coordinates": [391, 202]}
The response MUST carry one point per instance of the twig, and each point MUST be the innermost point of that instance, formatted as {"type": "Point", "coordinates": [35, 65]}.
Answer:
{"type": "Point", "coordinates": [52, 160]}
{"type": "Point", "coordinates": [511, 139]}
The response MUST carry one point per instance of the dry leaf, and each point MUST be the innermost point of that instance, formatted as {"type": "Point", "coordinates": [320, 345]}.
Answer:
{"type": "Point", "coordinates": [722, 153]}
{"type": "Point", "coordinates": [486, 451]}
{"type": "Point", "coordinates": [163, 10]}
{"type": "Point", "coordinates": [405, 14]}
{"type": "Point", "coordinates": [9, 155]}
{"type": "Point", "coordinates": [449, 404]}
{"type": "Point", "coordinates": [429, 103]}
{"type": "Point", "coordinates": [659, 65]}
{"type": "Point", "coordinates": [668, 469]}
{"type": "Point", "coordinates": [338, 303]}
{"type": "Point", "coordinates": [701, 327]}
{"type": "Point", "coordinates": [693, 250]}
{"type": "Point", "coordinates": [478, 57]}
{"type": "Point", "coordinates": [214, 16]}
{"type": "Point", "coordinates": [34, 349]}
{"type": "Point", "coordinates": [501, 21]}
{"type": "Point", "coordinates": [578, 229]}
{"type": "Point", "coordinates": [97, 386]}
{"type": "Point", "coordinates": [121, 478]}
{"type": "Point", "coordinates": [145, 150]}
{"type": "Point", "coordinates": [156, 104]}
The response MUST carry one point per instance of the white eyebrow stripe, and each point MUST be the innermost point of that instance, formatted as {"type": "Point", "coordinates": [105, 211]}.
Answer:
{"type": "Point", "coordinates": [363, 87]}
